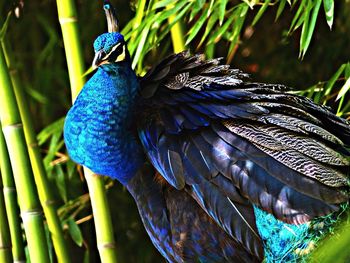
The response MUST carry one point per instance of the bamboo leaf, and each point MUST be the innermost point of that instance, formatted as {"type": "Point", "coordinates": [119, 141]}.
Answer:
{"type": "Point", "coordinates": [218, 34]}
{"type": "Point", "coordinates": [347, 70]}
{"type": "Point", "coordinates": [176, 19]}
{"type": "Point", "coordinates": [304, 31]}
{"type": "Point", "coordinates": [35, 94]}
{"type": "Point", "coordinates": [297, 16]}
{"type": "Point", "coordinates": [169, 12]}
{"type": "Point", "coordinates": [141, 45]}
{"type": "Point", "coordinates": [194, 31]}
{"type": "Point", "coordinates": [280, 8]}
{"type": "Point", "coordinates": [61, 183]}
{"type": "Point", "coordinates": [75, 232]}
{"type": "Point", "coordinates": [261, 12]}
{"type": "Point", "coordinates": [250, 3]}
{"type": "Point", "coordinates": [329, 11]}
{"type": "Point", "coordinates": [48, 131]}
{"type": "Point", "coordinates": [163, 3]}
{"type": "Point", "coordinates": [333, 79]}
{"type": "Point", "coordinates": [344, 89]}
{"type": "Point", "coordinates": [222, 9]}
{"type": "Point", "coordinates": [210, 9]}
{"type": "Point", "coordinates": [237, 28]}
{"type": "Point", "coordinates": [197, 6]}
{"type": "Point", "coordinates": [4, 27]}
{"type": "Point", "coordinates": [211, 22]}
{"type": "Point", "coordinates": [310, 30]}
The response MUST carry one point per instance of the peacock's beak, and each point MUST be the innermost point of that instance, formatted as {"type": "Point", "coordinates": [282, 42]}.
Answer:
{"type": "Point", "coordinates": [98, 59]}
{"type": "Point", "coordinates": [112, 21]}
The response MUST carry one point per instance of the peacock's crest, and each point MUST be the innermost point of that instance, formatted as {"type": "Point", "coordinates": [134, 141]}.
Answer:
{"type": "Point", "coordinates": [107, 41]}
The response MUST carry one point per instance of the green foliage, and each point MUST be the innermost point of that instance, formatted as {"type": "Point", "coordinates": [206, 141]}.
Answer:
{"type": "Point", "coordinates": [263, 38]}
{"type": "Point", "coordinates": [335, 88]}
{"type": "Point", "coordinates": [218, 20]}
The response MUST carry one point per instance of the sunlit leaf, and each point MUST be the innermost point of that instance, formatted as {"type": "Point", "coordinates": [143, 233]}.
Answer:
{"type": "Point", "coordinates": [238, 27]}
{"type": "Point", "coordinates": [163, 3]}
{"type": "Point", "coordinates": [329, 11]}
{"type": "Point", "coordinates": [304, 30]}
{"type": "Point", "coordinates": [311, 27]}
{"type": "Point", "coordinates": [197, 6]}
{"type": "Point", "coordinates": [347, 70]}
{"type": "Point", "coordinates": [141, 45]}
{"type": "Point", "coordinates": [330, 83]}
{"type": "Point", "coordinates": [169, 12]}
{"type": "Point", "coordinates": [344, 89]}
{"type": "Point", "coordinates": [251, 3]}
{"type": "Point", "coordinates": [280, 9]}
{"type": "Point", "coordinates": [211, 22]}
{"type": "Point", "coordinates": [218, 34]}
{"type": "Point", "coordinates": [222, 10]}
{"type": "Point", "coordinates": [198, 25]}
{"type": "Point", "coordinates": [210, 9]}
{"type": "Point", "coordinates": [261, 12]}
{"type": "Point", "coordinates": [297, 16]}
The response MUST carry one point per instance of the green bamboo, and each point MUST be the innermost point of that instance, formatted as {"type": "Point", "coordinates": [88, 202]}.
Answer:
{"type": "Point", "coordinates": [40, 176]}
{"type": "Point", "coordinates": [10, 197]}
{"type": "Point", "coordinates": [177, 33]}
{"type": "Point", "coordinates": [103, 224]}
{"type": "Point", "coordinates": [138, 17]}
{"type": "Point", "coordinates": [5, 238]}
{"type": "Point", "coordinates": [102, 218]}
{"type": "Point", "coordinates": [28, 200]}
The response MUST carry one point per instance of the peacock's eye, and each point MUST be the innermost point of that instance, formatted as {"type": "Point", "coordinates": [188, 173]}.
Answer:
{"type": "Point", "coordinates": [115, 54]}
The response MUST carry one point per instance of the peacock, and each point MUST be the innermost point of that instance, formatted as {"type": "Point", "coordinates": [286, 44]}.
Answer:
{"type": "Point", "coordinates": [211, 159]}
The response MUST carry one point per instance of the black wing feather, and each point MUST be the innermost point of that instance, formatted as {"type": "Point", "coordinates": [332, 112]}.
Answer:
{"type": "Point", "coordinates": [229, 143]}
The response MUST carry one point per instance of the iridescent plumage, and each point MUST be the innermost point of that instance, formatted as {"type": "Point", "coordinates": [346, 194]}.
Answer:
{"type": "Point", "coordinates": [220, 145]}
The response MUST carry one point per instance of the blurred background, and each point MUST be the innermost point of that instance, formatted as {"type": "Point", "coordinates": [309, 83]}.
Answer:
{"type": "Point", "coordinates": [269, 49]}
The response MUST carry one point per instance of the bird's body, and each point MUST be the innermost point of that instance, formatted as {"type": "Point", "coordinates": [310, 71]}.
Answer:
{"type": "Point", "coordinates": [109, 132]}
{"type": "Point", "coordinates": [220, 146]}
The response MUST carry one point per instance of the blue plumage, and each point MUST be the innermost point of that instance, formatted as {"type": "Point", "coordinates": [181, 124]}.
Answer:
{"type": "Point", "coordinates": [97, 128]}
{"type": "Point", "coordinates": [107, 41]}
{"type": "Point", "coordinates": [222, 151]}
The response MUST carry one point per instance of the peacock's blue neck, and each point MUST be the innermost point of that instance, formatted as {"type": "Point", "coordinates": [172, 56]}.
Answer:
{"type": "Point", "coordinates": [97, 128]}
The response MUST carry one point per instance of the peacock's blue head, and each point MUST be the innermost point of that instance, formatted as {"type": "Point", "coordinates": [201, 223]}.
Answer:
{"type": "Point", "coordinates": [109, 48]}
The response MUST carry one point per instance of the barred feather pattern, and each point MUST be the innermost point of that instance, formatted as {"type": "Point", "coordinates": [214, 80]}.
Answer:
{"type": "Point", "coordinates": [224, 140]}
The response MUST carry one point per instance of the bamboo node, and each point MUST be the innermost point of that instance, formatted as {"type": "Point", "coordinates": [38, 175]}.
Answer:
{"type": "Point", "coordinates": [30, 213]}
{"type": "Point", "coordinates": [33, 145]}
{"type": "Point", "coordinates": [50, 202]}
{"type": "Point", "coordinates": [5, 247]}
{"type": "Point", "coordinates": [64, 20]}
{"type": "Point", "coordinates": [11, 127]}
{"type": "Point", "coordinates": [9, 189]}
{"type": "Point", "coordinates": [106, 245]}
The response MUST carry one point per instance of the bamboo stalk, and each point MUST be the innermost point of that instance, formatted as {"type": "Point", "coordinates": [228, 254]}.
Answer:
{"type": "Point", "coordinates": [28, 200]}
{"type": "Point", "coordinates": [104, 231]}
{"type": "Point", "coordinates": [177, 34]}
{"type": "Point", "coordinates": [5, 238]}
{"type": "Point", "coordinates": [39, 172]}
{"type": "Point", "coordinates": [10, 198]}
{"type": "Point", "coordinates": [100, 208]}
